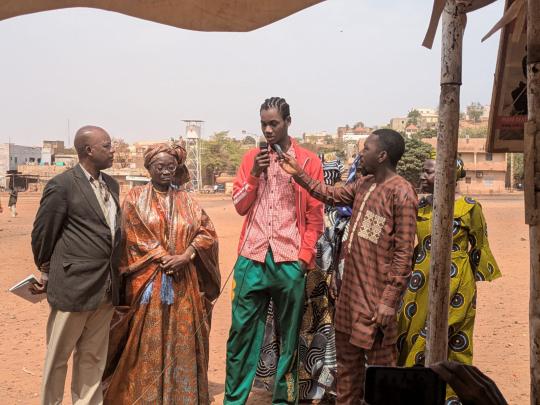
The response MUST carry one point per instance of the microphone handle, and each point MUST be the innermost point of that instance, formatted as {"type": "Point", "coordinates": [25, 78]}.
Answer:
{"type": "Point", "coordinates": [263, 146]}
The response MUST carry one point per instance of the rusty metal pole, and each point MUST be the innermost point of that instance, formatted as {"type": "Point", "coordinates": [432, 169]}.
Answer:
{"type": "Point", "coordinates": [453, 27]}
{"type": "Point", "coordinates": [532, 187]}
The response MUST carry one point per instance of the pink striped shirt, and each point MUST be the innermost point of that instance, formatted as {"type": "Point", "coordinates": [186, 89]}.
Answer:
{"type": "Point", "coordinates": [274, 223]}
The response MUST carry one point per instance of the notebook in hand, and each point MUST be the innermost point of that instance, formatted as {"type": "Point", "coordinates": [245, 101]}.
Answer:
{"type": "Point", "coordinates": [22, 289]}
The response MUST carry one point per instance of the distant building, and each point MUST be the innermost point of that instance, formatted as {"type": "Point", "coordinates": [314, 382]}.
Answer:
{"type": "Point", "coordinates": [485, 113]}
{"type": "Point", "coordinates": [68, 159]}
{"type": "Point", "coordinates": [49, 150]}
{"type": "Point", "coordinates": [318, 138]}
{"type": "Point", "coordinates": [411, 130]}
{"type": "Point", "coordinates": [355, 134]}
{"type": "Point", "coordinates": [43, 173]}
{"type": "Point", "coordinates": [398, 124]}
{"type": "Point", "coordinates": [11, 156]}
{"type": "Point", "coordinates": [486, 172]}
{"type": "Point", "coordinates": [352, 136]}
{"type": "Point", "coordinates": [429, 118]}
{"type": "Point", "coordinates": [128, 178]}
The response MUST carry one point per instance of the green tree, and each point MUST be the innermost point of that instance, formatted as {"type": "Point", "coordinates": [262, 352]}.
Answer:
{"type": "Point", "coordinates": [475, 111]}
{"type": "Point", "coordinates": [221, 152]}
{"type": "Point", "coordinates": [426, 133]}
{"type": "Point", "coordinates": [249, 140]}
{"type": "Point", "coordinates": [413, 117]}
{"type": "Point", "coordinates": [410, 165]}
{"type": "Point", "coordinates": [473, 132]}
{"type": "Point", "coordinates": [310, 146]}
{"type": "Point", "coordinates": [519, 174]}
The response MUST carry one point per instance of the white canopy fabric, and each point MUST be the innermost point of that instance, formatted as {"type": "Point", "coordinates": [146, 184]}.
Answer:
{"type": "Point", "coordinates": [198, 15]}
{"type": "Point", "coordinates": [205, 15]}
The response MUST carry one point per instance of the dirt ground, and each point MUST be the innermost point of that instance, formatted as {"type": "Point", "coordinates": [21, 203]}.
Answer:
{"type": "Point", "coordinates": [501, 335]}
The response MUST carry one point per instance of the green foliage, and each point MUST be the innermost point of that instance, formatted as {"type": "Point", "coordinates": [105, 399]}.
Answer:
{"type": "Point", "coordinates": [475, 111]}
{"type": "Point", "coordinates": [519, 173]}
{"type": "Point", "coordinates": [410, 165]}
{"type": "Point", "coordinates": [413, 117]}
{"type": "Point", "coordinates": [222, 153]}
{"type": "Point", "coordinates": [426, 133]}
{"type": "Point", "coordinates": [249, 140]}
{"type": "Point", "coordinates": [480, 132]}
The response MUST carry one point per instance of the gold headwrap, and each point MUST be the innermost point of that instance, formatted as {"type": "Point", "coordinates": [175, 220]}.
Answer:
{"type": "Point", "coordinates": [460, 166]}
{"type": "Point", "coordinates": [175, 150]}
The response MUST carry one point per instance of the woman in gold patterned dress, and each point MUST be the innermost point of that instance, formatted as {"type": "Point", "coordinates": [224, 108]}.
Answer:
{"type": "Point", "coordinates": [472, 261]}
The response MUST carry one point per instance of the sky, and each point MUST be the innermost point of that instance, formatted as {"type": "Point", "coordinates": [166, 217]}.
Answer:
{"type": "Point", "coordinates": [336, 63]}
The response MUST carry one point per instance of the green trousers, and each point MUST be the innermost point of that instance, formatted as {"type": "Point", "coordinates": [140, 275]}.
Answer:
{"type": "Point", "coordinates": [255, 284]}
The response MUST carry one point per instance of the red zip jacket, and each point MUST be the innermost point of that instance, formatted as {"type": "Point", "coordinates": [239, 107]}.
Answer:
{"type": "Point", "coordinates": [309, 211]}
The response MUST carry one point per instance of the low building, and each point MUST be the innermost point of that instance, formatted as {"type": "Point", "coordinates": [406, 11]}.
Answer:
{"type": "Point", "coordinates": [398, 124]}
{"type": "Point", "coordinates": [411, 130]}
{"type": "Point", "coordinates": [429, 118]}
{"type": "Point", "coordinates": [354, 137]}
{"type": "Point", "coordinates": [485, 172]}
{"type": "Point", "coordinates": [67, 159]}
{"type": "Point", "coordinates": [43, 173]}
{"type": "Point", "coordinates": [318, 138]}
{"type": "Point", "coordinates": [128, 178]}
{"type": "Point", "coordinates": [12, 155]}
{"type": "Point", "coordinates": [49, 150]}
{"type": "Point", "coordinates": [354, 134]}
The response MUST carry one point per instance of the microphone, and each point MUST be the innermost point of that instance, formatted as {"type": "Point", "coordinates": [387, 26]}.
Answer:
{"type": "Point", "coordinates": [263, 146]}
{"type": "Point", "coordinates": [278, 150]}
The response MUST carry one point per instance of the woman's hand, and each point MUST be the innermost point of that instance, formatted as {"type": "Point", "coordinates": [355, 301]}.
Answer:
{"type": "Point", "coordinates": [172, 264]}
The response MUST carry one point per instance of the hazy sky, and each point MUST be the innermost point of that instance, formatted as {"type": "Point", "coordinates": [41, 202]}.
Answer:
{"type": "Point", "coordinates": [339, 62]}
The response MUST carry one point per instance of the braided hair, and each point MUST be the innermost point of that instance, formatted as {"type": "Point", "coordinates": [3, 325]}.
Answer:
{"type": "Point", "coordinates": [279, 104]}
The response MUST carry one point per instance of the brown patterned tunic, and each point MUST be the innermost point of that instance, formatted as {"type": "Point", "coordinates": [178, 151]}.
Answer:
{"type": "Point", "coordinates": [378, 252]}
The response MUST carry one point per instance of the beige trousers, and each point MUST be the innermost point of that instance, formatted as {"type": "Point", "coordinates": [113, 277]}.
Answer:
{"type": "Point", "coordinates": [86, 334]}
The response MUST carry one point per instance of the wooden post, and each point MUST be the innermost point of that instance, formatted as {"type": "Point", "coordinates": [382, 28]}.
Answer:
{"type": "Point", "coordinates": [532, 165]}
{"type": "Point", "coordinates": [453, 27]}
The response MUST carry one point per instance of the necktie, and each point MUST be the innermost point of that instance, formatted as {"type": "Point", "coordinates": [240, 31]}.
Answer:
{"type": "Point", "coordinates": [105, 196]}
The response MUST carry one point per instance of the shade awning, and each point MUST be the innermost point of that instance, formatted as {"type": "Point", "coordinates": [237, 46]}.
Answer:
{"type": "Point", "coordinates": [198, 15]}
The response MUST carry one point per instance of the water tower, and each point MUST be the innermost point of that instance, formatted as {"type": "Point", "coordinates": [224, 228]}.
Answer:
{"type": "Point", "coordinates": [193, 148]}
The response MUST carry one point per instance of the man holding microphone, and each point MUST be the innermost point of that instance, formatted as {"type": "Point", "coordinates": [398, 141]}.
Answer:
{"type": "Point", "coordinates": [277, 246]}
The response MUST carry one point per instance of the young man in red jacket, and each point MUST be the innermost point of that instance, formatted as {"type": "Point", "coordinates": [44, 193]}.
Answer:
{"type": "Point", "coordinates": [277, 245]}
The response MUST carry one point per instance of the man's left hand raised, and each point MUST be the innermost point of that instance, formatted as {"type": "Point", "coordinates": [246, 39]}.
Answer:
{"type": "Point", "coordinates": [290, 165]}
